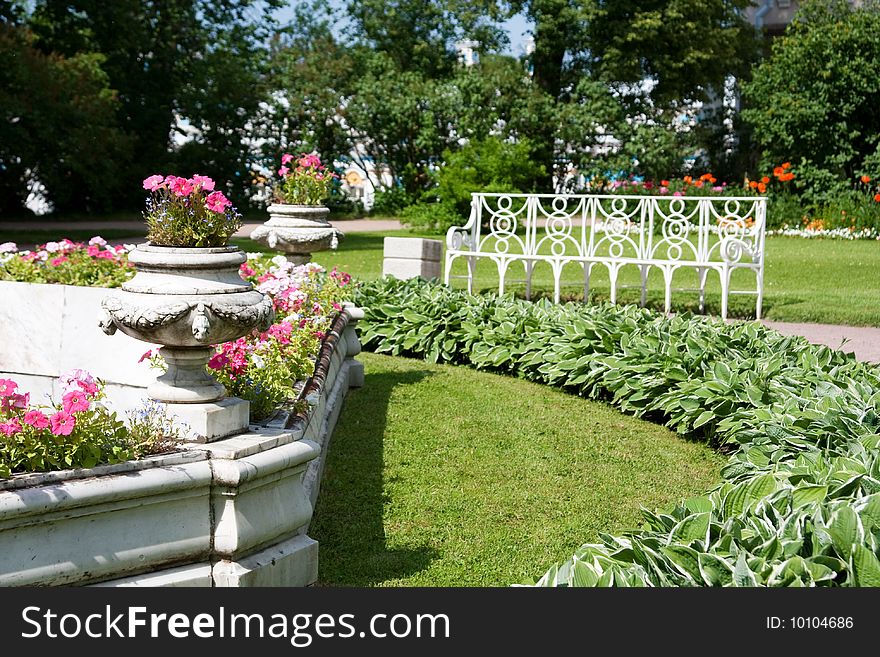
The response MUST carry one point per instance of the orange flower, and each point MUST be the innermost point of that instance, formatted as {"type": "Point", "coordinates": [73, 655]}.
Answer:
{"type": "Point", "coordinates": [705, 176]}
{"type": "Point", "coordinates": [877, 197]}
{"type": "Point", "coordinates": [762, 187]}
{"type": "Point", "coordinates": [698, 183]}
{"type": "Point", "coordinates": [866, 179]}
{"type": "Point", "coordinates": [712, 180]}
{"type": "Point", "coordinates": [664, 183]}
{"type": "Point", "coordinates": [753, 184]}
{"type": "Point", "coordinates": [765, 180]}
{"type": "Point", "coordinates": [687, 179]}
{"type": "Point", "coordinates": [778, 171]}
{"type": "Point", "coordinates": [786, 165]}
{"type": "Point", "coordinates": [785, 177]}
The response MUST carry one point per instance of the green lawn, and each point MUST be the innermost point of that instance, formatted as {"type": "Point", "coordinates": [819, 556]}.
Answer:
{"type": "Point", "coordinates": [823, 281]}
{"type": "Point", "coordinates": [445, 476]}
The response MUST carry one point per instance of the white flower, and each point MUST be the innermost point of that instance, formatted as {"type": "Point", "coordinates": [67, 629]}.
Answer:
{"type": "Point", "coordinates": [8, 247]}
{"type": "Point", "coordinates": [279, 261]}
{"type": "Point", "coordinates": [52, 247]}
{"type": "Point", "coordinates": [97, 239]}
{"type": "Point", "coordinates": [258, 361]}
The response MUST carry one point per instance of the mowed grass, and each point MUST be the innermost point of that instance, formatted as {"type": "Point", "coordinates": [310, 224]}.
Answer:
{"type": "Point", "coordinates": [805, 280]}
{"type": "Point", "coordinates": [445, 476]}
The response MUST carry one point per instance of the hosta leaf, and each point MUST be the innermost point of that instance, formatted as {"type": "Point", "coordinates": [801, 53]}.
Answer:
{"type": "Point", "coordinates": [714, 570]}
{"type": "Point", "coordinates": [742, 574]}
{"type": "Point", "coordinates": [699, 505]}
{"type": "Point", "coordinates": [808, 494]}
{"type": "Point", "coordinates": [685, 560]}
{"type": "Point", "coordinates": [692, 528]}
{"type": "Point", "coordinates": [865, 567]}
{"type": "Point", "coordinates": [583, 574]}
{"type": "Point", "coordinates": [845, 529]}
{"type": "Point", "coordinates": [746, 494]}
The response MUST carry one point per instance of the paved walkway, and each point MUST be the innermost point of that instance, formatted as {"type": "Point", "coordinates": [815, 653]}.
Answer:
{"type": "Point", "coordinates": [864, 342]}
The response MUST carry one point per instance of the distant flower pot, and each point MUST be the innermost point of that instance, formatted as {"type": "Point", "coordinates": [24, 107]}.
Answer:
{"type": "Point", "coordinates": [297, 231]}
{"type": "Point", "coordinates": [186, 299]}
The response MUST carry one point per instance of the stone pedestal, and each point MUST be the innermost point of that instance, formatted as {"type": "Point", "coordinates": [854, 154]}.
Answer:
{"type": "Point", "coordinates": [205, 423]}
{"type": "Point", "coordinates": [410, 257]}
{"type": "Point", "coordinates": [297, 231]}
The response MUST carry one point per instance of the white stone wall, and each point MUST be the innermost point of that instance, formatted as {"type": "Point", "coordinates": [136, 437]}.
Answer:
{"type": "Point", "coordinates": [47, 330]}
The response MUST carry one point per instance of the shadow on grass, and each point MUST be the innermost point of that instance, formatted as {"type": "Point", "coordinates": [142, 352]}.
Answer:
{"type": "Point", "coordinates": [348, 520]}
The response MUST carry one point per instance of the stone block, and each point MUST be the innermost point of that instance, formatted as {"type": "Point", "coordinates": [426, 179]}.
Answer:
{"type": "Point", "coordinates": [413, 248]}
{"type": "Point", "coordinates": [293, 562]}
{"type": "Point", "coordinates": [194, 575]}
{"type": "Point", "coordinates": [405, 268]}
{"type": "Point", "coordinates": [212, 421]}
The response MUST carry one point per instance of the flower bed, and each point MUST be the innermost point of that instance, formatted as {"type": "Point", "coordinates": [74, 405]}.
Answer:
{"type": "Point", "coordinates": [800, 504]}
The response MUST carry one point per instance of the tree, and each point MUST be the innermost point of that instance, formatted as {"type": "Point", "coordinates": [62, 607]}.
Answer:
{"type": "Point", "coordinates": [57, 126]}
{"type": "Point", "coordinates": [816, 99]}
{"type": "Point", "coordinates": [194, 61]}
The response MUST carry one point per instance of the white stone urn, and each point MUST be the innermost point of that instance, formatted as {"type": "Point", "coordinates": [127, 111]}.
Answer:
{"type": "Point", "coordinates": [186, 299]}
{"type": "Point", "coordinates": [297, 231]}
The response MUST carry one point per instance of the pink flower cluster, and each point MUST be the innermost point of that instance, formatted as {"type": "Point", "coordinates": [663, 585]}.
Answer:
{"type": "Point", "coordinates": [58, 253]}
{"type": "Point", "coordinates": [180, 187]}
{"type": "Point", "coordinates": [232, 356]}
{"type": "Point", "coordinates": [79, 389]}
{"type": "Point", "coordinates": [304, 162]}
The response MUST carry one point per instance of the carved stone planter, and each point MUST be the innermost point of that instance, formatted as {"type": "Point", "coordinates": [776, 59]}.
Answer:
{"type": "Point", "coordinates": [186, 299]}
{"type": "Point", "coordinates": [297, 231]}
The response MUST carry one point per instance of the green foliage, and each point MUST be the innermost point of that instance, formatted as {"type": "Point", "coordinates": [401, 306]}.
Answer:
{"type": "Point", "coordinates": [490, 165]}
{"type": "Point", "coordinates": [58, 125]}
{"type": "Point", "coordinates": [69, 263]}
{"type": "Point", "coordinates": [31, 441]}
{"type": "Point", "coordinates": [797, 505]}
{"type": "Point", "coordinates": [199, 60]}
{"type": "Point", "coordinates": [390, 201]}
{"type": "Point", "coordinates": [813, 101]}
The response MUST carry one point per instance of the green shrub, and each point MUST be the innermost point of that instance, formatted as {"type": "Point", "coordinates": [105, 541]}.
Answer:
{"type": "Point", "coordinates": [390, 201]}
{"type": "Point", "coordinates": [432, 217]}
{"type": "Point", "coordinates": [813, 101]}
{"type": "Point", "coordinates": [800, 504]}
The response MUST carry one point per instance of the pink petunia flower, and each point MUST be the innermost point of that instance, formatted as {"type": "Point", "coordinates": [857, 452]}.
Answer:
{"type": "Point", "coordinates": [7, 387]}
{"type": "Point", "coordinates": [60, 260]}
{"type": "Point", "coordinates": [203, 182]}
{"type": "Point", "coordinates": [182, 187]}
{"type": "Point", "coordinates": [77, 379]}
{"type": "Point", "coordinates": [218, 361]}
{"type": "Point", "coordinates": [246, 270]}
{"type": "Point", "coordinates": [16, 400]}
{"type": "Point", "coordinates": [286, 158]}
{"type": "Point", "coordinates": [37, 419]}
{"type": "Point", "coordinates": [93, 250]}
{"type": "Point", "coordinates": [283, 171]}
{"type": "Point", "coordinates": [154, 182]}
{"type": "Point", "coordinates": [147, 355]}
{"type": "Point", "coordinates": [217, 202]}
{"type": "Point", "coordinates": [74, 402]}
{"type": "Point", "coordinates": [11, 427]}
{"type": "Point", "coordinates": [105, 255]}
{"type": "Point", "coordinates": [97, 240]}
{"type": "Point", "coordinates": [8, 247]}
{"type": "Point", "coordinates": [62, 423]}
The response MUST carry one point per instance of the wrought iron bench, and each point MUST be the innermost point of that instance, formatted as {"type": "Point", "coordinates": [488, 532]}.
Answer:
{"type": "Point", "coordinates": [708, 234]}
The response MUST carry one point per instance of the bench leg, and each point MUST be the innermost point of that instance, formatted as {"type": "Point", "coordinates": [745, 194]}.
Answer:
{"type": "Point", "coordinates": [613, 270]}
{"type": "Point", "coordinates": [529, 265]}
{"type": "Point", "coordinates": [667, 281]}
{"type": "Point", "coordinates": [557, 275]}
{"type": "Point", "coordinates": [759, 304]}
{"type": "Point", "coordinates": [472, 267]}
{"type": "Point", "coordinates": [588, 269]}
{"type": "Point", "coordinates": [644, 297]}
{"type": "Point", "coordinates": [725, 291]}
{"type": "Point", "coordinates": [702, 272]}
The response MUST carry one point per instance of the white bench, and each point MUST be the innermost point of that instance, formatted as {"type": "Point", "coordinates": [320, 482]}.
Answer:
{"type": "Point", "coordinates": [706, 233]}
